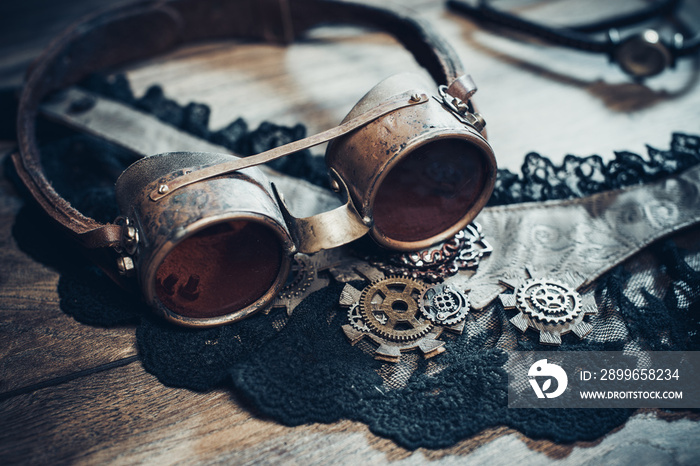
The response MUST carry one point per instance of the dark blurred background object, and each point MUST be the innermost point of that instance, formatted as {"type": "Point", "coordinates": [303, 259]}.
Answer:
{"type": "Point", "coordinates": [624, 38]}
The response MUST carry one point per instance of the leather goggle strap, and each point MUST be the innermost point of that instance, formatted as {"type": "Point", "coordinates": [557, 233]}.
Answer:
{"type": "Point", "coordinates": [144, 29]}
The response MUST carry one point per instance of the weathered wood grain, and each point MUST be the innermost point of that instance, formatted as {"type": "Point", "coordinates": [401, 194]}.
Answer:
{"type": "Point", "coordinates": [551, 100]}
{"type": "Point", "coordinates": [39, 341]}
{"type": "Point", "coordinates": [125, 416]}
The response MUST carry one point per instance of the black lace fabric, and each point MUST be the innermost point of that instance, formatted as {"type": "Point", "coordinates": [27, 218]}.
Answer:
{"type": "Point", "coordinates": [303, 369]}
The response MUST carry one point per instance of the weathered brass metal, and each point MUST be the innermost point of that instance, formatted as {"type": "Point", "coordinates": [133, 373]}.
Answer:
{"type": "Point", "coordinates": [209, 239]}
{"type": "Point", "coordinates": [326, 230]}
{"type": "Point", "coordinates": [211, 253]}
{"type": "Point", "coordinates": [178, 180]}
{"type": "Point", "coordinates": [212, 238]}
{"type": "Point", "coordinates": [417, 175]}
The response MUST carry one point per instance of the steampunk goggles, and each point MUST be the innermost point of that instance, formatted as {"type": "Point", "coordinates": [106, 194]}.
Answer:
{"type": "Point", "coordinates": [209, 237]}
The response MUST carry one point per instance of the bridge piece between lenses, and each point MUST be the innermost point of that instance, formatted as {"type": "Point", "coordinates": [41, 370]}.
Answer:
{"type": "Point", "coordinates": [326, 230]}
{"type": "Point", "coordinates": [178, 179]}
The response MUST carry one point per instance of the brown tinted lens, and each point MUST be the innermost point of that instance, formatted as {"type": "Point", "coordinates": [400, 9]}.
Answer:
{"type": "Point", "coordinates": [219, 270]}
{"type": "Point", "coordinates": [429, 190]}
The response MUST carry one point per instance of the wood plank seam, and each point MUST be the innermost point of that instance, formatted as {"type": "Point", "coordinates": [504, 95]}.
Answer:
{"type": "Point", "coordinates": [67, 378]}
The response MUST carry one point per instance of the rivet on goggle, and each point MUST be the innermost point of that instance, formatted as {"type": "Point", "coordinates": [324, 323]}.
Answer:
{"type": "Point", "coordinates": [335, 186]}
{"type": "Point", "coordinates": [125, 265]}
{"type": "Point", "coordinates": [129, 239]}
{"type": "Point", "coordinates": [130, 233]}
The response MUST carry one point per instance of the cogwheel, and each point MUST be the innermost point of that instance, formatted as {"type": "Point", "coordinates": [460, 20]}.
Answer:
{"type": "Point", "coordinates": [302, 281]}
{"type": "Point", "coordinates": [390, 351]}
{"type": "Point", "coordinates": [443, 305]}
{"type": "Point", "coordinates": [551, 307]}
{"type": "Point", "coordinates": [355, 319]}
{"type": "Point", "coordinates": [463, 251]}
{"type": "Point", "coordinates": [549, 301]}
{"type": "Point", "coordinates": [470, 256]}
{"type": "Point", "coordinates": [300, 277]}
{"type": "Point", "coordinates": [390, 308]}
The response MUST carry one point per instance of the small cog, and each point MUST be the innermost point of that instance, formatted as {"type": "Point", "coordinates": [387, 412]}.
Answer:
{"type": "Point", "coordinates": [390, 308]}
{"type": "Point", "coordinates": [549, 301]}
{"type": "Point", "coordinates": [550, 307]}
{"type": "Point", "coordinates": [443, 305]}
{"type": "Point", "coordinates": [355, 319]}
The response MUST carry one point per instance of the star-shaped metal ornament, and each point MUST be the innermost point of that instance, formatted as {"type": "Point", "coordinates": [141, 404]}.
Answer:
{"type": "Point", "coordinates": [304, 279]}
{"type": "Point", "coordinates": [550, 306]}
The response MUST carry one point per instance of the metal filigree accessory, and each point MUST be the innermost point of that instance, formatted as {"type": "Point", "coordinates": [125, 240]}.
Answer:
{"type": "Point", "coordinates": [550, 306]}
{"type": "Point", "coordinates": [303, 280]}
{"type": "Point", "coordinates": [461, 252]}
{"type": "Point", "coordinates": [444, 305]}
{"type": "Point", "coordinates": [388, 313]}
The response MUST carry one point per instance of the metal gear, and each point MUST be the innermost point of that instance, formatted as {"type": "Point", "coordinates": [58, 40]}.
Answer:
{"type": "Point", "coordinates": [390, 308]}
{"type": "Point", "coordinates": [474, 249]}
{"type": "Point", "coordinates": [443, 305]}
{"type": "Point", "coordinates": [463, 251]}
{"type": "Point", "coordinates": [549, 301]}
{"type": "Point", "coordinates": [390, 351]}
{"type": "Point", "coordinates": [549, 306]}
{"type": "Point", "coordinates": [303, 280]}
{"type": "Point", "coordinates": [300, 278]}
{"type": "Point", "coordinates": [355, 319]}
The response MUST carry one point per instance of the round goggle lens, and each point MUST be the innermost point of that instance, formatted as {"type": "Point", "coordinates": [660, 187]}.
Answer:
{"type": "Point", "coordinates": [429, 190]}
{"type": "Point", "coordinates": [219, 270]}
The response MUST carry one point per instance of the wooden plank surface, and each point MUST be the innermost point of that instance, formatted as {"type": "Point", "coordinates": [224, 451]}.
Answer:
{"type": "Point", "coordinates": [40, 342]}
{"type": "Point", "coordinates": [125, 416]}
{"type": "Point", "coordinates": [72, 393]}
{"type": "Point", "coordinates": [41, 346]}
{"type": "Point", "coordinates": [547, 99]}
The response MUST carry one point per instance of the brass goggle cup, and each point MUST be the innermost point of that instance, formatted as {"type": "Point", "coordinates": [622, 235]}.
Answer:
{"type": "Point", "coordinates": [212, 253]}
{"type": "Point", "coordinates": [416, 176]}
{"type": "Point", "coordinates": [212, 241]}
